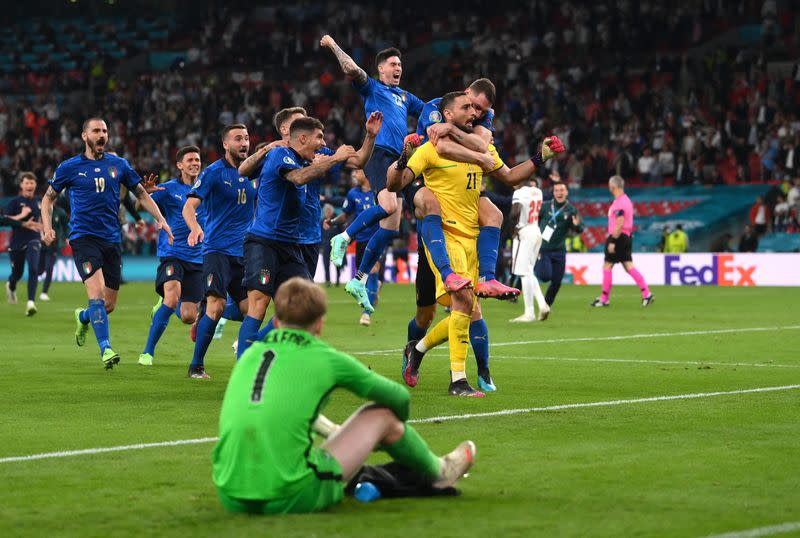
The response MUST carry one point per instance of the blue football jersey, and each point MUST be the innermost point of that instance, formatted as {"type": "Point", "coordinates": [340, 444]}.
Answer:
{"type": "Point", "coordinates": [356, 202]}
{"type": "Point", "coordinates": [396, 105]}
{"type": "Point", "coordinates": [171, 201]}
{"type": "Point", "coordinates": [281, 203]}
{"type": "Point", "coordinates": [22, 236]}
{"type": "Point", "coordinates": [229, 200]}
{"type": "Point", "coordinates": [430, 115]}
{"type": "Point", "coordinates": [93, 188]}
{"type": "Point", "coordinates": [310, 231]}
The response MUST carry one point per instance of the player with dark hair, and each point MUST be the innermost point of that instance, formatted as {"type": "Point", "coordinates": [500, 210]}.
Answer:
{"type": "Point", "coordinates": [25, 243]}
{"type": "Point", "coordinates": [265, 461]}
{"type": "Point", "coordinates": [228, 200]}
{"type": "Point", "coordinates": [396, 104]}
{"type": "Point", "coordinates": [271, 248]}
{"type": "Point", "coordinates": [457, 187]}
{"type": "Point", "coordinates": [93, 180]}
{"type": "Point", "coordinates": [619, 243]}
{"type": "Point", "coordinates": [179, 278]}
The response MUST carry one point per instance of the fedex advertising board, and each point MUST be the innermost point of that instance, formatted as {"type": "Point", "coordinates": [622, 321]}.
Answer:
{"type": "Point", "coordinates": [694, 269]}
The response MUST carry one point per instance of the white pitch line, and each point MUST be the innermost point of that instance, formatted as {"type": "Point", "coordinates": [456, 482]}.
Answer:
{"type": "Point", "coordinates": [608, 338]}
{"type": "Point", "coordinates": [761, 531]}
{"type": "Point", "coordinates": [645, 361]}
{"type": "Point", "coordinates": [443, 418]}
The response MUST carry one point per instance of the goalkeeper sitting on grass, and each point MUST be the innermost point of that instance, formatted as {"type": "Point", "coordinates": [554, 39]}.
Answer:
{"type": "Point", "coordinates": [265, 461]}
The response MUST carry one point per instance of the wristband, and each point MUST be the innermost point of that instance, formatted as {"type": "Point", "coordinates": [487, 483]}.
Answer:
{"type": "Point", "coordinates": [537, 159]}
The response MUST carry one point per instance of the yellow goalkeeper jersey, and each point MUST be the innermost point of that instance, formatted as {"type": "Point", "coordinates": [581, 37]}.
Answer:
{"type": "Point", "coordinates": [456, 185]}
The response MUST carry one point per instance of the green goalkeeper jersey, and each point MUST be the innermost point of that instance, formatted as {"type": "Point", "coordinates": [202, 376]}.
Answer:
{"type": "Point", "coordinates": [274, 395]}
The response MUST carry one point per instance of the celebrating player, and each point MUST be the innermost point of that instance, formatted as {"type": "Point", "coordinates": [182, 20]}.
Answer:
{"type": "Point", "coordinates": [272, 253]}
{"type": "Point", "coordinates": [179, 278]}
{"type": "Point", "coordinates": [26, 243]}
{"type": "Point", "coordinates": [454, 144]}
{"type": "Point", "coordinates": [459, 205]}
{"type": "Point", "coordinates": [93, 180]}
{"type": "Point", "coordinates": [619, 243]}
{"type": "Point", "coordinates": [557, 218]}
{"type": "Point", "coordinates": [525, 206]}
{"type": "Point", "coordinates": [359, 199]}
{"type": "Point", "coordinates": [396, 104]}
{"type": "Point", "coordinates": [228, 200]}
{"type": "Point", "coordinates": [264, 461]}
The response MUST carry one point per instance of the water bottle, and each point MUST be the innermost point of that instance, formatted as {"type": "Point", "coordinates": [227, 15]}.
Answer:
{"type": "Point", "coordinates": [367, 492]}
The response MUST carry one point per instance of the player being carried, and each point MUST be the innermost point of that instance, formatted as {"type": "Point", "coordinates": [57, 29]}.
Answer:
{"type": "Point", "coordinates": [455, 144]}
{"type": "Point", "coordinates": [457, 186]}
{"type": "Point", "coordinates": [179, 278]}
{"type": "Point", "coordinates": [265, 462]}
{"type": "Point", "coordinates": [93, 180]}
{"type": "Point", "coordinates": [396, 105]}
{"type": "Point", "coordinates": [272, 246]}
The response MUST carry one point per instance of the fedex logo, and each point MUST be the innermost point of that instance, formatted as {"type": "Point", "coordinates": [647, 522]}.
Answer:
{"type": "Point", "coordinates": [721, 272]}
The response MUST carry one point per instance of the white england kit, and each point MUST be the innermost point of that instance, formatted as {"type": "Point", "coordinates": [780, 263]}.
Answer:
{"type": "Point", "coordinates": [528, 241]}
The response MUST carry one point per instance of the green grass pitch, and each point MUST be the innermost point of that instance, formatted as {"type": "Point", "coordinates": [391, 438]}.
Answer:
{"type": "Point", "coordinates": [681, 467]}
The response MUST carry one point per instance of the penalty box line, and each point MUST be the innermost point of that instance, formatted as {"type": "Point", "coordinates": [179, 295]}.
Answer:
{"type": "Point", "coordinates": [442, 418]}
{"type": "Point", "coordinates": [608, 338]}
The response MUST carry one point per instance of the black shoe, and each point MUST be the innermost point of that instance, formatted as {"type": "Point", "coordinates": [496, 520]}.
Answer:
{"type": "Point", "coordinates": [412, 359]}
{"type": "Point", "coordinates": [599, 303]}
{"type": "Point", "coordinates": [647, 301]}
{"type": "Point", "coordinates": [462, 388]}
{"type": "Point", "coordinates": [198, 372]}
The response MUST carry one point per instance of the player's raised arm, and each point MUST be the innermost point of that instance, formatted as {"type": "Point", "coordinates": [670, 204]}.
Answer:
{"type": "Point", "coordinates": [446, 132]}
{"type": "Point", "coordinates": [348, 65]}
{"type": "Point", "coordinates": [359, 160]}
{"type": "Point", "coordinates": [49, 200]}
{"type": "Point", "coordinates": [512, 176]}
{"type": "Point", "coordinates": [320, 165]}
{"type": "Point", "coordinates": [150, 206]}
{"type": "Point", "coordinates": [399, 174]}
{"type": "Point", "coordinates": [250, 164]}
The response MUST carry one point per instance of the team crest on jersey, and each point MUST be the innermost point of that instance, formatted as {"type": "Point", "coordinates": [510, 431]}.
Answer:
{"type": "Point", "coordinates": [241, 180]}
{"type": "Point", "coordinates": [288, 160]}
{"type": "Point", "coordinates": [112, 171]}
{"type": "Point", "coordinates": [435, 116]}
{"type": "Point", "coordinates": [170, 270]}
{"type": "Point", "coordinates": [398, 100]}
{"type": "Point", "coordinates": [96, 169]}
{"type": "Point", "coordinates": [264, 278]}
{"type": "Point", "coordinates": [87, 268]}
{"type": "Point", "coordinates": [209, 280]}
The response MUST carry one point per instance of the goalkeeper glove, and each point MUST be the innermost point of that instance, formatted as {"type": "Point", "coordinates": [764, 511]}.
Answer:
{"type": "Point", "coordinates": [550, 147]}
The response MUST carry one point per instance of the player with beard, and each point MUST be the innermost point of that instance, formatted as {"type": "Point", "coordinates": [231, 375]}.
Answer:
{"type": "Point", "coordinates": [228, 200]}
{"type": "Point", "coordinates": [93, 180]}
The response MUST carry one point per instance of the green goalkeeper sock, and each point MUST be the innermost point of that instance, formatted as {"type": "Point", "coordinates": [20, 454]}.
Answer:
{"type": "Point", "coordinates": [412, 451]}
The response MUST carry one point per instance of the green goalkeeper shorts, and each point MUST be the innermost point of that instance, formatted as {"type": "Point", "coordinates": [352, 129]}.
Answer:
{"type": "Point", "coordinates": [318, 491]}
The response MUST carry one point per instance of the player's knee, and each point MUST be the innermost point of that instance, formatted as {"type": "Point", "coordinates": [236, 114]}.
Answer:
{"type": "Point", "coordinates": [489, 214]}
{"type": "Point", "coordinates": [188, 316]}
{"type": "Point", "coordinates": [170, 300]}
{"type": "Point", "coordinates": [389, 204]}
{"type": "Point", "coordinates": [214, 307]}
{"type": "Point", "coordinates": [463, 300]}
{"type": "Point", "coordinates": [110, 306]}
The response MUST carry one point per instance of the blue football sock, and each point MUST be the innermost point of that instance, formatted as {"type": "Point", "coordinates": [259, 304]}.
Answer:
{"type": "Point", "coordinates": [84, 316]}
{"type": "Point", "coordinates": [479, 338]}
{"type": "Point", "coordinates": [205, 332]}
{"type": "Point", "coordinates": [415, 332]}
{"type": "Point", "coordinates": [433, 237]}
{"type": "Point", "coordinates": [372, 288]}
{"type": "Point", "coordinates": [375, 248]}
{"type": "Point", "coordinates": [232, 311]}
{"type": "Point", "coordinates": [157, 327]}
{"type": "Point", "coordinates": [488, 245]}
{"type": "Point", "coordinates": [177, 310]}
{"type": "Point", "coordinates": [365, 219]}
{"type": "Point", "coordinates": [99, 320]}
{"type": "Point", "coordinates": [265, 330]}
{"type": "Point", "coordinates": [247, 334]}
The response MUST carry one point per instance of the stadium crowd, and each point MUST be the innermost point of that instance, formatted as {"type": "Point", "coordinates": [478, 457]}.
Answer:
{"type": "Point", "coordinates": [672, 112]}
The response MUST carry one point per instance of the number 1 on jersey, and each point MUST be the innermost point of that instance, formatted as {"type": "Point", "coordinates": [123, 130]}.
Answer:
{"type": "Point", "coordinates": [258, 384]}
